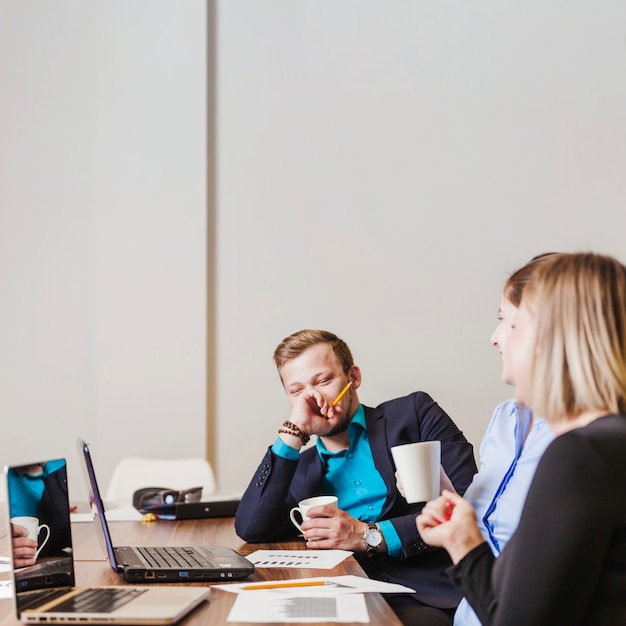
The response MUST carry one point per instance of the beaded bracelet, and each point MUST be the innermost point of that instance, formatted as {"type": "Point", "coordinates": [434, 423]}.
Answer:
{"type": "Point", "coordinates": [292, 429]}
{"type": "Point", "coordinates": [291, 426]}
{"type": "Point", "coordinates": [303, 436]}
{"type": "Point", "coordinates": [289, 432]}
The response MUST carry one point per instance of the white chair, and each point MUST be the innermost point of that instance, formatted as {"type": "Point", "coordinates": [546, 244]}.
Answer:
{"type": "Point", "coordinates": [132, 473]}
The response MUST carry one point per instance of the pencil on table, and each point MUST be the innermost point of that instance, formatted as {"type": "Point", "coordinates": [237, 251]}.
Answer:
{"type": "Point", "coordinates": [295, 583]}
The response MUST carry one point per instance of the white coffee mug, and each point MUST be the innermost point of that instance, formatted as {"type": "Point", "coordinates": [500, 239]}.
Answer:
{"type": "Point", "coordinates": [418, 469]}
{"type": "Point", "coordinates": [304, 506]}
{"type": "Point", "coordinates": [34, 528]}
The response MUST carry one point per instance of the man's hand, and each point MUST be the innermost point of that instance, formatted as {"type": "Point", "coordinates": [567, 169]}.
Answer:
{"type": "Point", "coordinates": [312, 413]}
{"type": "Point", "coordinates": [399, 485]}
{"type": "Point", "coordinates": [334, 529]}
{"type": "Point", "coordinates": [444, 482]}
{"type": "Point", "coordinates": [23, 548]}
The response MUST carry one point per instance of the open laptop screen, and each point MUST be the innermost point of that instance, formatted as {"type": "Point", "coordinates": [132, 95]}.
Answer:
{"type": "Point", "coordinates": [96, 505]}
{"type": "Point", "coordinates": [39, 514]}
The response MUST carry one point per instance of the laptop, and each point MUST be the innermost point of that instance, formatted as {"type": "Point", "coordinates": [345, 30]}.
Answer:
{"type": "Point", "coordinates": [159, 564]}
{"type": "Point", "coordinates": [43, 578]}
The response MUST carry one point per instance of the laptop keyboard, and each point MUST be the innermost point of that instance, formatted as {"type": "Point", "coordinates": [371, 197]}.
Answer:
{"type": "Point", "coordinates": [173, 557]}
{"type": "Point", "coordinates": [97, 600]}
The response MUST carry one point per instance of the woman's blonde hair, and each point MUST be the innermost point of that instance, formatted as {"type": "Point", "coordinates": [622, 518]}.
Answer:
{"type": "Point", "coordinates": [579, 360]}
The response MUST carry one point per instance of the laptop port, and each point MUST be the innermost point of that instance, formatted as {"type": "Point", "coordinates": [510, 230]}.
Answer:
{"type": "Point", "coordinates": [183, 574]}
{"type": "Point", "coordinates": [148, 575]}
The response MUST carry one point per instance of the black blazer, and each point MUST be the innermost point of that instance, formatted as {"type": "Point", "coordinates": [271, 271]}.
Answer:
{"type": "Point", "coordinates": [279, 484]}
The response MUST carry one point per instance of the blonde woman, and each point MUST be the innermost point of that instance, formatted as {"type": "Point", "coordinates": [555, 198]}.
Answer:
{"type": "Point", "coordinates": [566, 562]}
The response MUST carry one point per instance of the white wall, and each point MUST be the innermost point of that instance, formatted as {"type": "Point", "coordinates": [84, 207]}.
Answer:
{"type": "Point", "coordinates": [102, 230]}
{"type": "Point", "coordinates": [382, 166]}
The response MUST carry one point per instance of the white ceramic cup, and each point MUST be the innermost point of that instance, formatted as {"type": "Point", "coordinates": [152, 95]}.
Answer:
{"type": "Point", "coordinates": [418, 469]}
{"type": "Point", "coordinates": [304, 506]}
{"type": "Point", "coordinates": [34, 529]}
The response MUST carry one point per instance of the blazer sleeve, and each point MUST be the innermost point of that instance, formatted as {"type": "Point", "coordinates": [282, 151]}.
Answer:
{"type": "Point", "coordinates": [276, 487]}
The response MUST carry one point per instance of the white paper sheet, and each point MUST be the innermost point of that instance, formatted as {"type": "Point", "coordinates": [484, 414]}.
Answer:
{"type": "Point", "coordinates": [311, 559]}
{"type": "Point", "coordinates": [6, 588]}
{"type": "Point", "coordinates": [6, 585]}
{"type": "Point", "coordinates": [259, 607]}
{"type": "Point", "coordinates": [324, 586]}
{"type": "Point", "coordinates": [119, 514]}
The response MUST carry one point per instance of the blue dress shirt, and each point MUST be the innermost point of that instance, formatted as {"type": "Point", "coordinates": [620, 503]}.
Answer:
{"type": "Point", "coordinates": [26, 490]}
{"type": "Point", "coordinates": [509, 454]}
{"type": "Point", "coordinates": [352, 476]}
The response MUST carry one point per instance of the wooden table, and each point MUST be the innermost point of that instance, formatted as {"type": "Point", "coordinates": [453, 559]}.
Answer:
{"type": "Point", "coordinates": [92, 568]}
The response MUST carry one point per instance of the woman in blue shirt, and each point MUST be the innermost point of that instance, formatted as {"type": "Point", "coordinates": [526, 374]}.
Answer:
{"type": "Point", "coordinates": [512, 445]}
{"type": "Point", "coordinates": [566, 560]}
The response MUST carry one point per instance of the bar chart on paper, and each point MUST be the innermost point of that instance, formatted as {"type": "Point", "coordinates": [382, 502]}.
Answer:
{"type": "Point", "coordinates": [260, 607]}
{"type": "Point", "coordinates": [322, 609]}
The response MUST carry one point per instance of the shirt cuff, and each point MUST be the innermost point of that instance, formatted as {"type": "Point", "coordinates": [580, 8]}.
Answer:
{"type": "Point", "coordinates": [280, 448]}
{"type": "Point", "coordinates": [392, 539]}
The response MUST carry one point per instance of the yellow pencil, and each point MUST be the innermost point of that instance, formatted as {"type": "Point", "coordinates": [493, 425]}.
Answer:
{"type": "Point", "coordinates": [295, 583]}
{"type": "Point", "coordinates": [342, 393]}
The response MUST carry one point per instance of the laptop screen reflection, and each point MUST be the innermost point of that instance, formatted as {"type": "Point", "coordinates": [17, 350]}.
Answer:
{"type": "Point", "coordinates": [40, 526]}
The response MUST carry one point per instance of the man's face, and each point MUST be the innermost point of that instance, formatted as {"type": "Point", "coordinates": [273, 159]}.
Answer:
{"type": "Point", "coordinates": [318, 369]}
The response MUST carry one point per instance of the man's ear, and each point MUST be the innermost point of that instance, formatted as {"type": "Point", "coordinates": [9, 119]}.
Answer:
{"type": "Point", "coordinates": [355, 376]}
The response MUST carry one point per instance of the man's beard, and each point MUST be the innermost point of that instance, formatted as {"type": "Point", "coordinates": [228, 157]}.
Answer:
{"type": "Point", "coordinates": [342, 425]}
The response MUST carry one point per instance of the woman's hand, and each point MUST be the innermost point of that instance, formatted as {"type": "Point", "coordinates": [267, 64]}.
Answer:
{"type": "Point", "coordinates": [449, 522]}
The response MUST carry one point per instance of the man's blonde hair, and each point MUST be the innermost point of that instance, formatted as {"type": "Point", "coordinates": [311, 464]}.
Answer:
{"type": "Point", "coordinates": [294, 345]}
{"type": "Point", "coordinates": [579, 357]}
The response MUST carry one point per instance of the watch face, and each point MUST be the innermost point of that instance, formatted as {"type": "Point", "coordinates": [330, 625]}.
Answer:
{"type": "Point", "coordinates": [373, 537]}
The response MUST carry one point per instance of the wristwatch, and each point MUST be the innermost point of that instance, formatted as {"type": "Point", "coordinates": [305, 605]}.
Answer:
{"type": "Point", "coordinates": [373, 538]}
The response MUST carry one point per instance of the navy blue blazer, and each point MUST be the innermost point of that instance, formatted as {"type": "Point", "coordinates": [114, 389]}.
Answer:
{"type": "Point", "coordinates": [279, 484]}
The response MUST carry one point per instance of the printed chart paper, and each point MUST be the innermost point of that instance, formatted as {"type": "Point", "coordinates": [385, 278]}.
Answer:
{"type": "Point", "coordinates": [260, 607]}
{"type": "Point", "coordinates": [311, 559]}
